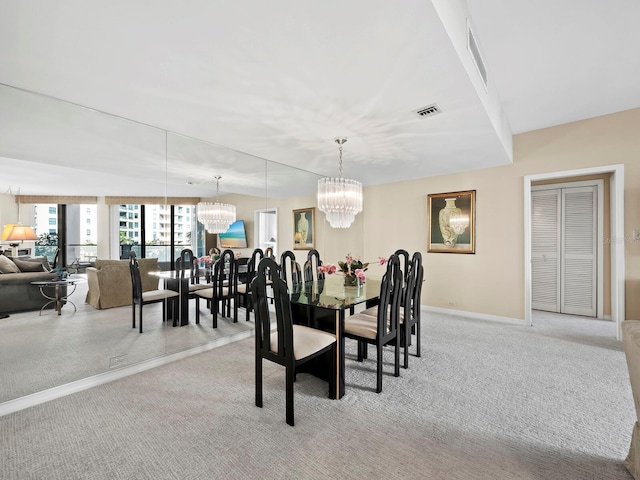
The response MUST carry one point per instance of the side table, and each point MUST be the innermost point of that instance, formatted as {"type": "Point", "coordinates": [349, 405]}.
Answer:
{"type": "Point", "coordinates": [60, 295]}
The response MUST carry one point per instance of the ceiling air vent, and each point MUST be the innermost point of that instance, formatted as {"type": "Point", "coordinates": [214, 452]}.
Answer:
{"type": "Point", "coordinates": [472, 45]}
{"type": "Point", "coordinates": [429, 111]}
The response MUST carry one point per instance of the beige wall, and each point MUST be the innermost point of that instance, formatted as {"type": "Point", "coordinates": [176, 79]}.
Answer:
{"type": "Point", "coordinates": [492, 281]}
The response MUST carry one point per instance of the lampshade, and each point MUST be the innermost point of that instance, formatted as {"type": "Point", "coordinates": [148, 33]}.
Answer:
{"type": "Point", "coordinates": [340, 198]}
{"type": "Point", "coordinates": [16, 232]}
{"type": "Point", "coordinates": [216, 217]}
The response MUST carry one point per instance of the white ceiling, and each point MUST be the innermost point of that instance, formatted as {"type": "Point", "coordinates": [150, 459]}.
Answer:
{"type": "Point", "coordinates": [279, 80]}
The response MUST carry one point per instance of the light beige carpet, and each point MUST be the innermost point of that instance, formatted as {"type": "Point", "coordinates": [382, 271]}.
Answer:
{"type": "Point", "coordinates": [485, 401]}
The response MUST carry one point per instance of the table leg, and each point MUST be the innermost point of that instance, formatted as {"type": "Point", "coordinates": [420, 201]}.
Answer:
{"type": "Point", "coordinates": [58, 300]}
{"type": "Point", "coordinates": [60, 296]}
{"type": "Point", "coordinates": [340, 353]}
{"type": "Point", "coordinates": [179, 316]}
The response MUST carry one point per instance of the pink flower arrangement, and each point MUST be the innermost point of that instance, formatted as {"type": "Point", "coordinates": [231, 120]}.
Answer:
{"type": "Point", "coordinates": [350, 267]}
{"type": "Point", "coordinates": [329, 269]}
{"type": "Point", "coordinates": [206, 259]}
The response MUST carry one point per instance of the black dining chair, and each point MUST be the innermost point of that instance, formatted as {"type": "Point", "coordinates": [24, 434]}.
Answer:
{"type": "Point", "coordinates": [381, 329]}
{"type": "Point", "coordinates": [243, 291]}
{"type": "Point", "coordinates": [290, 270]}
{"type": "Point", "coordinates": [268, 253]}
{"type": "Point", "coordinates": [409, 312]}
{"type": "Point", "coordinates": [405, 263]}
{"type": "Point", "coordinates": [405, 266]}
{"type": "Point", "coordinates": [189, 267]}
{"type": "Point", "coordinates": [223, 290]}
{"type": "Point", "coordinates": [310, 268]}
{"type": "Point", "coordinates": [289, 345]}
{"type": "Point", "coordinates": [140, 298]}
{"type": "Point", "coordinates": [409, 319]}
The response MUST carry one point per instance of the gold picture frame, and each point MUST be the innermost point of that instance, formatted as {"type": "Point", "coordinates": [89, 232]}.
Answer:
{"type": "Point", "coordinates": [452, 222]}
{"type": "Point", "coordinates": [304, 228]}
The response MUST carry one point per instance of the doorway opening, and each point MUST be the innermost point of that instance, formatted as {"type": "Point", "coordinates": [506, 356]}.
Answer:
{"type": "Point", "coordinates": [615, 239]}
{"type": "Point", "coordinates": [266, 229]}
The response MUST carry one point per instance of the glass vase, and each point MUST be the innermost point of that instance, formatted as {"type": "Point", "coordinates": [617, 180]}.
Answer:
{"type": "Point", "coordinates": [351, 281]}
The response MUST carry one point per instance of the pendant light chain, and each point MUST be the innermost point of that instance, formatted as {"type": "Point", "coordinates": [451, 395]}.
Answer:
{"type": "Point", "coordinates": [340, 141]}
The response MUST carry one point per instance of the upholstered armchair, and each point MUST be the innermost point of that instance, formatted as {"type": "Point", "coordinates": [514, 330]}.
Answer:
{"type": "Point", "coordinates": [110, 281]}
{"type": "Point", "coordinates": [631, 346]}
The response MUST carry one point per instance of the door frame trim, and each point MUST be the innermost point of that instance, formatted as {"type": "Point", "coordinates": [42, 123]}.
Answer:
{"type": "Point", "coordinates": [616, 240]}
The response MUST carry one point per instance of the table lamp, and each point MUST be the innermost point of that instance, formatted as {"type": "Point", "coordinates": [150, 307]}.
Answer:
{"type": "Point", "coordinates": [15, 234]}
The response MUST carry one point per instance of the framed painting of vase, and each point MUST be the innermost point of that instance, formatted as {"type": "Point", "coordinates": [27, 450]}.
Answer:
{"type": "Point", "coordinates": [304, 228]}
{"type": "Point", "coordinates": [452, 222]}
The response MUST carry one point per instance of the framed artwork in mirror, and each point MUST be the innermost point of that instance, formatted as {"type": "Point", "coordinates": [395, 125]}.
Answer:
{"type": "Point", "coordinates": [304, 228]}
{"type": "Point", "coordinates": [452, 222]}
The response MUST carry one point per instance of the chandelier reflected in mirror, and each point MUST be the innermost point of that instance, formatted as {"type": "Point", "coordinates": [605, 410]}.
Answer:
{"type": "Point", "coordinates": [216, 217]}
{"type": "Point", "coordinates": [340, 198]}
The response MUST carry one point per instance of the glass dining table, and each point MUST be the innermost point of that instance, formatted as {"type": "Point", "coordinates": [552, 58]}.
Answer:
{"type": "Point", "coordinates": [178, 281]}
{"type": "Point", "coordinates": [323, 304]}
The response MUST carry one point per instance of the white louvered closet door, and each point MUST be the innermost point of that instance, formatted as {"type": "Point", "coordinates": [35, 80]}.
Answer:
{"type": "Point", "coordinates": [545, 249]}
{"type": "Point", "coordinates": [579, 255]}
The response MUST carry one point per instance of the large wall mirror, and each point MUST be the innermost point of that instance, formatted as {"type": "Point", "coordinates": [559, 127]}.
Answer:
{"type": "Point", "coordinates": [111, 175]}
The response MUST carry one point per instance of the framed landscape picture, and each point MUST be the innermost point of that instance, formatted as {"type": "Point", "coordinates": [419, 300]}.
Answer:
{"type": "Point", "coordinates": [452, 222]}
{"type": "Point", "coordinates": [304, 228]}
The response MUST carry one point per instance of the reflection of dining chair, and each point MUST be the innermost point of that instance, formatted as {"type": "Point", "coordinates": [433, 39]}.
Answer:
{"type": "Point", "coordinates": [187, 264]}
{"type": "Point", "coordinates": [311, 267]}
{"type": "Point", "coordinates": [290, 269]}
{"type": "Point", "coordinates": [381, 329]}
{"type": "Point", "coordinates": [141, 298]}
{"type": "Point", "coordinates": [223, 289]}
{"type": "Point", "coordinates": [243, 291]}
{"type": "Point", "coordinates": [289, 345]}
{"type": "Point", "coordinates": [56, 259]}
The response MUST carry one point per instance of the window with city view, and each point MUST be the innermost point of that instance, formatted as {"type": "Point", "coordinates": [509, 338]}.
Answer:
{"type": "Point", "coordinates": [151, 226]}
{"type": "Point", "coordinates": [81, 231]}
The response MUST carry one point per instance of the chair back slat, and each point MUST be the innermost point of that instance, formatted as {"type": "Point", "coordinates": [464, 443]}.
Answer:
{"type": "Point", "coordinates": [405, 264]}
{"type": "Point", "coordinates": [136, 280]}
{"type": "Point", "coordinates": [311, 267]}
{"type": "Point", "coordinates": [290, 270]}
{"type": "Point", "coordinates": [252, 264]}
{"type": "Point", "coordinates": [389, 307]}
{"type": "Point", "coordinates": [225, 275]}
{"type": "Point", "coordinates": [418, 274]}
{"type": "Point", "coordinates": [282, 307]}
{"type": "Point", "coordinates": [406, 296]}
{"type": "Point", "coordinates": [188, 261]}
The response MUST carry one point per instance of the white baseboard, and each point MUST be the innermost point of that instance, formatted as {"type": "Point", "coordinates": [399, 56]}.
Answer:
{"type": "Point", "coordinates": [473, 315]}
{"type": "Point", "coordinates": [37, 398]}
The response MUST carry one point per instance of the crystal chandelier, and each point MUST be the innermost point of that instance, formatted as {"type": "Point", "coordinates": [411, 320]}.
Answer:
{"type": "Point", "coordinates": [339, 198]}
{"type": "Point", "coordinates": [217, 216]}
